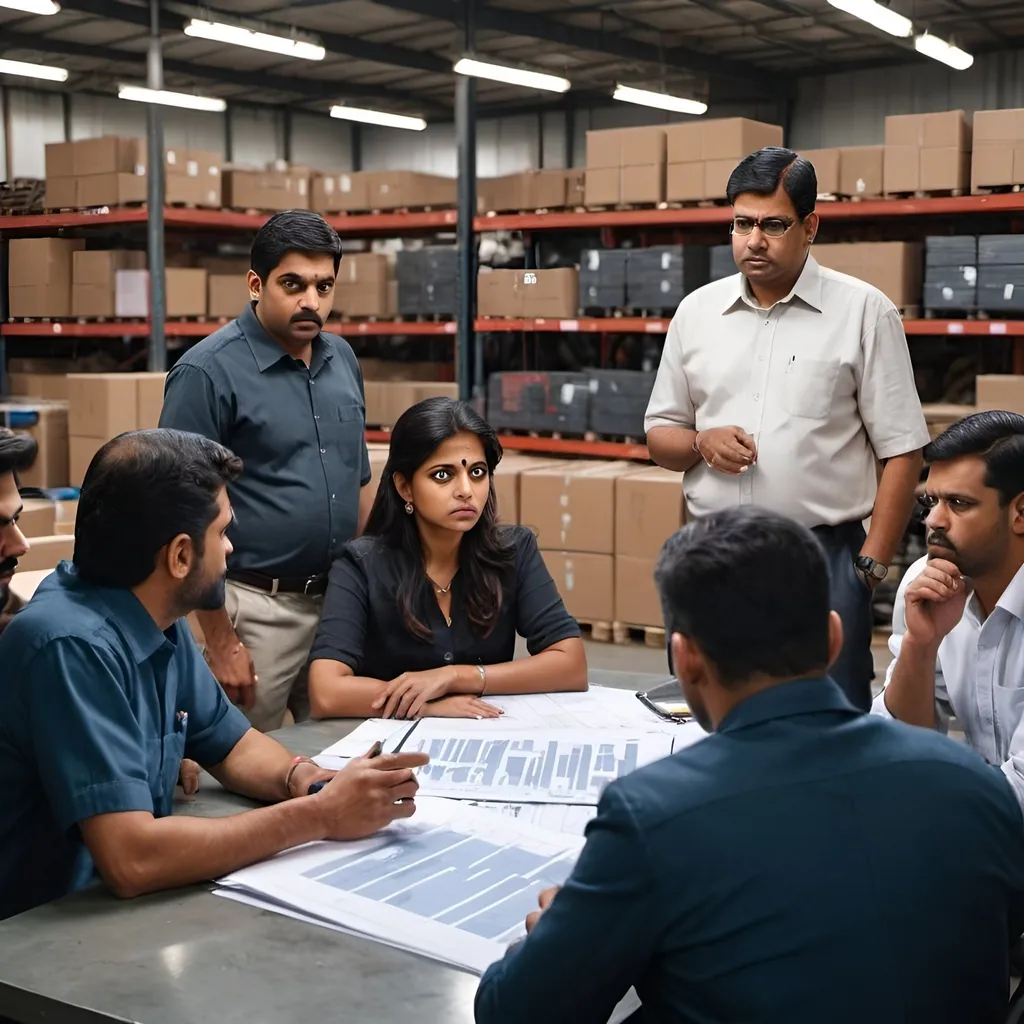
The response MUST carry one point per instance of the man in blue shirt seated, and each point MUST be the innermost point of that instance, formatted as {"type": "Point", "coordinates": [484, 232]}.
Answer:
{"type": "Point", "coordinates": [806, 862]}
{"type": "Point", "coordinates": [103, 692]}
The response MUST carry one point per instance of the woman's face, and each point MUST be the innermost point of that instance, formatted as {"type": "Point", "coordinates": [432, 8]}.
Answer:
{"type": "Point", "coordinates": [450, 490]}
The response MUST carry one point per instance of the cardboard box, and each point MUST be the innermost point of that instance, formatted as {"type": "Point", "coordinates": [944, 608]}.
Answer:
{"type": "Point", "coordinates": [640, 147]}
{"type": "Point", "coordinates": [905, 130]}
{"type": "Point", "coordinates": [93, 277]}
{"type": "Point", "coordinates": [528, 293]}
{"type": "Point", "coordinates": [649, 508]}
{"type": "Point", "coordinates": [572, 507]}
{"type": "Point", "coordinates": [643, 183]}
{"type": "Point", "coordinates": [941, 415]}
{"type": "Point", "coordinates": [894, 268]}
{"type": "Point", "coordinates": [113, 189]}
{"type": "Point", "coordinates": [945, 168]}
{"type": "Point", "coordinates": [387, 400]}
{"type": "Point", "coordinates": [205, 190]}
{"type": "Point", "coordinates": [1000, 391]}
{"type": "Point", "coordinates": [61, 193]}
{"type": "Point", "coordinates": [575, 188]}
{"type": "Point", "coordinates": [102, 405]}
{"type": "Point", "coordinates": [901, 170]}
{"type": "Point", "coordinates": [46, 553]}
{"type": "Point", "coordinates": [716, 178]}
{"type": "Point", "coordinates": [40, 276]}
{"type": "Point", "coordinates": [393, 190]}
{"type": "Point", "coordinates": [227, 295]}
{"type": "Point", "coordinates": [826, 168]}
{"type": "Point", "coordinates": [637, 601]}
{"type": "Point", "coordinates": [47, 423]}
{"type": "Point", "coordinates": [685, 182]}
{"type": "Point", "coordinates": [947, 130]}
{"type": "Point", "coordinates": [586, 583]}
{"type": "Point", "coordinates": [362, 285]}
{"type": "Point", "coordinates": [861, 170]}
{"type": "Point", "coordinates": [730, 138]}
{"type": "Point", "coordinates": [109, 154]}
{"type": "Point", "coordinates": [60, 160]}
{"type": "Point", "coordinates": [185, 292]}
{"type": "Point", "coordinates": [266, 190]}
{"type": "Point", "coordinates": [602, 186]}
{"type": "Point", "coordinates": [604, 149]}
{"type": "Point", "coordinates": [81, 451]}
{"type": "Point", "coordinates": [52, 386]}
{"type": "Point", "coordinates": [506, 482]}
{"type": "Point", "coordinates": [38, 518]}
{"type": "Point", "coordinates": [502, 194]}
{"type": "Point", "coordinates": [999, 125]}
{"type": "Point", "coordinates": [549, 190]}
{"type": "Point", "coordinates": [149, 399]}
{"type": "Point", "coordinates": [339, 193]}
{"type": "Point", "coordinates": [996, 164]}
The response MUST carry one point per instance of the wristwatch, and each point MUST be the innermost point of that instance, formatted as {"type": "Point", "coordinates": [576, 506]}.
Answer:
{"type": "Point", "coordinates": [870, 569]}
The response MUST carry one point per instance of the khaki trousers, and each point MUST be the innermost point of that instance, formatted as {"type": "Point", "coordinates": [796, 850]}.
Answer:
{"type": "Point", "coordinates": [279, 632]}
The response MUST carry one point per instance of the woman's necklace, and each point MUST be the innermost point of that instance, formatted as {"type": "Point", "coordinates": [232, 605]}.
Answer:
{"type": "Point", "coordinates": [442, 590]}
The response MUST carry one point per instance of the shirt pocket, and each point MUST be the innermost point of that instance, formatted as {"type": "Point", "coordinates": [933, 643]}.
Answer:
{"type": "Point", "coordinates": [809, 386]}
{"type": "Point", "coordinates": [165, 756]}
{"type": "Point", "coordinates": [345, 433]}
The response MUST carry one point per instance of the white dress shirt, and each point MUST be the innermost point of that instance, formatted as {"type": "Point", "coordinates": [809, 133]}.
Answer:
{"type": "Point", "coordinates": [979, 676]}
{"type": "Point", "coordinates": [822, 381]}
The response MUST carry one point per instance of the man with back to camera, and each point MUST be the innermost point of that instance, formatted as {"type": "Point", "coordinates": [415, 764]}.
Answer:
{"type": "Point", "coordinates": [784, 386]}
{"type": "Point", "coordinates": [804, 863]}
{"type": "Point", "coordinates": [17, 453]}
{"type": "Point", "coordinates": [103, 692]}
{"type": "Point", "coordinates": [958, 620]}
{"type": "Point", "coordinates": [288, 399]}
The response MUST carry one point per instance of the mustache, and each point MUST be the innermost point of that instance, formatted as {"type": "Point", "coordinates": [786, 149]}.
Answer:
{"type": "Point", "coordinates": [308, 316]}
{"type": "Point", "coordinates": [7, 566]}
{"type": "Point", "coordinates": [937, 538]}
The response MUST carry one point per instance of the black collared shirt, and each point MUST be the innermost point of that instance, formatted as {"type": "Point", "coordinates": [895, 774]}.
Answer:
{"type": "Point", "coordinates": [361, 626]}
{"type": "Point", "coordinates": [299, 431]}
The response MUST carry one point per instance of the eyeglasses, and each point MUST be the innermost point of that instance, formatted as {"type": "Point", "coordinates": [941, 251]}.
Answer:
{"type": "Point", "coordinates": [772, 227]}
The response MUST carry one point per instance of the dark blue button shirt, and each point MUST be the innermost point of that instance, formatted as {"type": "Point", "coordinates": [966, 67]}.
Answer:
{"type": "Point", "coordinates": [97, 709]}
{"type": "Point", "coordinates": [807, 863]}
{"type": "Point", "coordinates": [299, 431]}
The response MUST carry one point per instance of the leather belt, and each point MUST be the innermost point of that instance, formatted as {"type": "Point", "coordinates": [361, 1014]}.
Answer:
{"type": "Point", "coordinates": [311, 586]}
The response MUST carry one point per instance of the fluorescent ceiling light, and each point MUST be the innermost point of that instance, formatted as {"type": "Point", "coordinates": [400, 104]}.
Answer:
{"type": "Point", "coordinates": [875, 14]}
{"type": "Point", "coordinates": [30, 6]}
{"type": "Point", "coordinates": [646, 98]}
{"type": "Point", "coordinates": [511, 76]}
{"type": "Point", "coordinates": [235, 35]}
{"type": "Point", "coordinates": [939, 49]}
{"type": "Point", "coordinates": [44, 71]}
{"type": "Point", "coordinates": [380, 117]}
{"type": "Point", "coordinates": [170, 99]}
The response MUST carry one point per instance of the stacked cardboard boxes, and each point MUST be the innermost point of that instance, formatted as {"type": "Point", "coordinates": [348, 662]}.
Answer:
{"type": "Point", "coordinates": [45, 553]}
{"type": "Point", "coordinates": [703, 154]}
{"type": "Point", "coordinates": [530, 190]}
{"type": "Point", "coordinates": [549, 294]}
{"type": "Point", "coordinates": [894, 268]}
{"type": "Point", "coordinates": [998, 149]}
{"type": "Point", "coordinates": [1004, 391]}
{"type": "Point", "coordinates": [103, 405]}
{"type": "Point", "coordinates": [625, 165]}
{"type": "Point", "coordinates": [386, 400]}
{"type": "Point", "coordinates": [337, 193]}
{"type": "Point", "coordinates": [862, 171]}
{"type": "Point", "coordinates": [927, 152]}
{"type": "Point", "coordinates": [106, 171]}
{"type": "Point", "coordinates": [274, 190]}
{"type": "Point", "coordinates": [826, 169]}
{"type": "Point", "coordinates": [93, 280]}
{"type": "Point", "coordinates": [184, 291]}
{"type": "Point", "coordinates": [193, 178]}
{"type": "Point", "coordinates": [506, 482]}
{"type": "Point", "coordinates": [40, 276]}
{"type": "Point", "coordinates": [227, 295]}
{"type": "Point", "coordinates": [364, 286]}
{"type": "Point", "coordinates": [603, 175]}
{"type": "Point", "coordinates": [51, 386]}
{"type": "Point", "coordinates": [47, 423]}
{"type": "Point", "coordinates": [397, 190]}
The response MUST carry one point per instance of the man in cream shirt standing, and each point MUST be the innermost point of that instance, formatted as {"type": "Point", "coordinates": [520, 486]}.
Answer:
{"type": "Point", "coordinates": [784, 387]}
{"type": "Point", "coordinates": [958, 621]}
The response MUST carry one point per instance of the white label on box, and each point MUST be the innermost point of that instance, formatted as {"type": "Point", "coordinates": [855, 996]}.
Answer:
{"type": "Point", "coordinates": [345, 182]}
{"type": "Point", "coordinates": [529, 277]}
{"type": "Point", "coordinates": [302, 186]}
{"type": "Point", "coordinates": [140, 170]}
{"type": "Point", "coordinates": [666, 260]}
{"type": "Point", "coordinates": [665, 286]}
{"type": "Point", "coordinates": [861, 185]}
{"type": "Point", "coordinates": [567, 391]}
{"type": "Point", "coordinates": [172, 157]}
{"type": "Point", "coordinates": [214, 172]}
{"type": "Point", "coordinates": [328, 186]}
{"type": "Point", "coordinates": [971, 275]}
{"type": "Point", "coordinates": [593, 259]}
{"type": "Point", "coordinates": [947, 292]}
{"type": "Point", "coordinates": [1008, 293]}
{"type": "Point", "coordinates": [593, 385]}
{"type": "Point", "coordinates": [192, 169]}
{"type": "Point", "coordinates": [568, 325]}
{"type": "Point", "coordinates": [131, 293]}
{"type": "Point", "coordinates": [954, 328]}
{"type": "Point", "coordinates": [996, 328]}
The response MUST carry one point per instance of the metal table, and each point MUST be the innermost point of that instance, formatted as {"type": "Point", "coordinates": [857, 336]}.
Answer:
{"type": "Point", "coordinates": [184, 957]}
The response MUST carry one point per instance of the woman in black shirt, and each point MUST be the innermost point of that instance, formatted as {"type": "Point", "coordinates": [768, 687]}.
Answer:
{"type": "Point", "coordinates": [421, 612]}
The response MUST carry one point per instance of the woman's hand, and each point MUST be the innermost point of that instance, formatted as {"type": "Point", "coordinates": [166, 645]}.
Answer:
{"type": "Point", "coordinates": [405, 696]}
{"type": "Point", "coordinates": [460, 705]}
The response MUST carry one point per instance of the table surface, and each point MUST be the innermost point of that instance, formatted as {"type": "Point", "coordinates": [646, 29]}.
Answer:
{"type": "Point", "coordinates": [184, 957]}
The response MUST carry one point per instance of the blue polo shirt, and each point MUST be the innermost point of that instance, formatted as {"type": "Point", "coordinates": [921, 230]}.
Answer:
{"type": "Point", "coordinates": [97, 709]}
{"type": "Point", "coordinates": [299, 431]}
{"type": "Point", "coordinates": [806, 863]}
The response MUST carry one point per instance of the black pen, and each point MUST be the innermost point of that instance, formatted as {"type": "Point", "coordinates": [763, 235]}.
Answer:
{"type": "Point", "coordinates": [374, 752]}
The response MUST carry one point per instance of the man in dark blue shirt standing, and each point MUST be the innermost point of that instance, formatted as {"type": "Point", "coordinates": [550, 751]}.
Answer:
{"type": "Point", "coordinates": [806, 862]}
{"type": "Point", "coordinates": [287, 398]}
{"type": "Point", "coordinates": [103, 692]}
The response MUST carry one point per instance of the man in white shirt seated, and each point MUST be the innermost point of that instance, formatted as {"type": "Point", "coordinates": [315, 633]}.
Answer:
{"type": "Point", "coordinates": [958, 621]}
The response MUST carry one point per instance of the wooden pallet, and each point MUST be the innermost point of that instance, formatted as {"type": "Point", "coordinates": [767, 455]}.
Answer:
{"type": "Point", "coordinates": [22, 195]}
{"type": "Point", "coordinates": [933, 193]}
{"type": "Point", "coordinates": [621, 633]}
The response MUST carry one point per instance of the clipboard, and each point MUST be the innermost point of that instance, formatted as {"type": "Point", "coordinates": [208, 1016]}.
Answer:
{"type": "Point", "coordinates": [666, 701]}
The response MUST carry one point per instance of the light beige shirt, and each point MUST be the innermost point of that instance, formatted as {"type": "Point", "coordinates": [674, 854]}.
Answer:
{"type": "Point", "coordinates": [822, 381]}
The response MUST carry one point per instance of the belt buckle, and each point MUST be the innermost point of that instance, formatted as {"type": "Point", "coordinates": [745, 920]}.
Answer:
{"type": "Point", "coordinates": [274, 585]}
{"type": "Point", "coordinates": [305, 589]}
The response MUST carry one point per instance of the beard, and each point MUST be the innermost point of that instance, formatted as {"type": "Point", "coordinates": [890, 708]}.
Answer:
{"type": "Point", "coordinates": [201, 595]}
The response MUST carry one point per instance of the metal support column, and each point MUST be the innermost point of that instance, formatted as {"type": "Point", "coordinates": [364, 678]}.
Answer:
{"type": "Point", "coordinates": [570, 132]}
{"type": "Point", "coordinates": [157, 358]}
{"type": "Point", "coordinates": [65, 111]}
{"type": "Point", "coordinates": [469, 351]}
{"type": "Point", "coordinates": [4, 296]}
{"type": "Point", "coordinates": [229, 136]}
{"type": "Point", "coordinates": [356, 145]}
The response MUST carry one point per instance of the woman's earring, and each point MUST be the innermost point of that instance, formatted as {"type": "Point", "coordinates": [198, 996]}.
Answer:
{"type": "Point", "coordinates": [408, 508]}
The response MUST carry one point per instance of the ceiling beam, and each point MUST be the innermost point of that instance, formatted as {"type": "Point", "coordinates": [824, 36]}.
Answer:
{"type": "Point", "coordinates": [311, 90]}
{"type": "Point", "coordinates": [536, 26]}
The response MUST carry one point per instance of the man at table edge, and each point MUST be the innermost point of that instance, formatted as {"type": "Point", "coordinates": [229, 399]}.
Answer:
{"type": "Point", "coordinates": [103, 691]}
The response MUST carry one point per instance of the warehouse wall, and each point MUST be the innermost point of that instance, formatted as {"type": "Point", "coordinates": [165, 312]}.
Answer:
{"type": "Point", "coordinates": [849, 108]}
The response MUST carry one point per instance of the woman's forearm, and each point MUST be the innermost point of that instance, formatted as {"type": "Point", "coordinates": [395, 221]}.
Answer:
{"type": "Point", "coordinates": [559, 668]}
{"type": "Point", "coordinates": [333, 693]}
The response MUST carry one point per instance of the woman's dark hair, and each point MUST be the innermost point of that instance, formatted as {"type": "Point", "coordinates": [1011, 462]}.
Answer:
{"type": "Point", "coordinates": [292, 231]}
{"type": "Point", "coordinates": [484, 557]}
{"type": "Point", "coordinates": [141, 490]}
{"type": "Point", "coordinates": [762, 172]}
{"type": "Point", "coordinates": [17, 452]}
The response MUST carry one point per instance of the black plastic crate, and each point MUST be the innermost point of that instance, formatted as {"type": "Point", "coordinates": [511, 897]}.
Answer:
{"type": "Point", "coordinates": [603, 278]}
{"type": "Point", "coordinates": [1001, 289]}
{"type": "Point", "coordinates": [722, 263]}
{"type": "Point", "coordinates": [660, 276]}
{"type": "Point", "coordinates": [950, 250]}
{"type": "Point", "coordinates": [618, 401]}
{"type": "Point", "coordinates": [954, 288]}
{"type": "Point", "coordinates": [1001, 250]}
{"type": "Point", "coordinates": [539, 401]}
